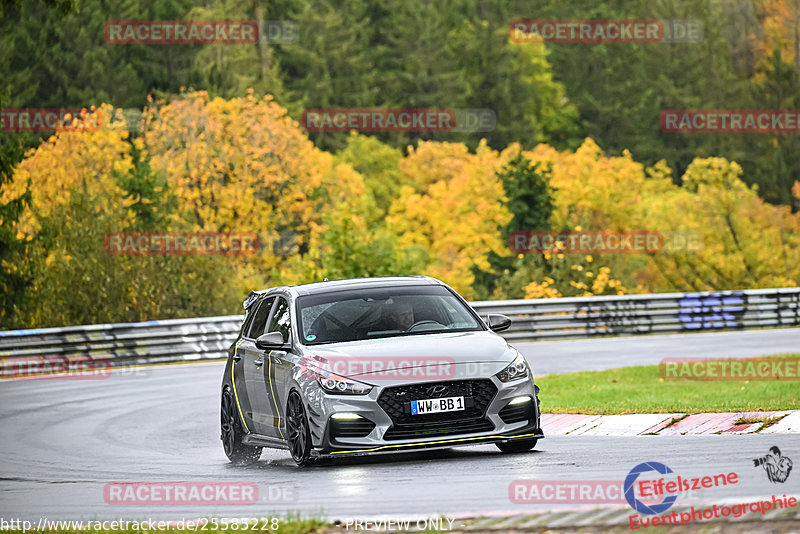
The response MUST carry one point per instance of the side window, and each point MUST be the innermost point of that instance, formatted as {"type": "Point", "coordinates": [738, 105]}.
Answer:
{"type": "Point", "coordinates": [248, 320]}
{"type": "Point", "coordinates": [260, 318]}
{"type": "Point", "coordinates": [281, 321]}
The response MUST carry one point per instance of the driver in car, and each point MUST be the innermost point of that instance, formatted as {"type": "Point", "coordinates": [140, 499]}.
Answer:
{"type": "Point", "coordinates": [401, 315]}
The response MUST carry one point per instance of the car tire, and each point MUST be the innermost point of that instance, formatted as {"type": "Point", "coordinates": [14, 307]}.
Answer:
{"type": "Point", "coordinates": [231, 433]}
{"type": "Point", "coordinates": [297, 429]}
{"type": "Point", "coordinates": [522, 445]}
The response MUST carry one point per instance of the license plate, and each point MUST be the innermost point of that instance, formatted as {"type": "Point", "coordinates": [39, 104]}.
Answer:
{"type": "Point", "coordinates": [445, 404]}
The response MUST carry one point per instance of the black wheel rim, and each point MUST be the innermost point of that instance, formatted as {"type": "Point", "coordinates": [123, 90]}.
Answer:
{"type": "Point", "coordinates": [296, 426]}
{"type": "Point", "coordinates": [227, 423]}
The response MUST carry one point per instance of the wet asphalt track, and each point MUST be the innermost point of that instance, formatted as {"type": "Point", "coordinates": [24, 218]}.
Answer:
{"type": "Point", "coordinates": [63, 440]}
{"type": "Point", "coordinates": [609, 352]}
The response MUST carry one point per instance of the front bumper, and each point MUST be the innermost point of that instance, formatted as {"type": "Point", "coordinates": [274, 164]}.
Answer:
{"type": "Point", "coordinates": [491, 424]}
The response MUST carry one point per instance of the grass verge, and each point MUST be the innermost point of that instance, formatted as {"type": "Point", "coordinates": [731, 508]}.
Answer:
{"type": "Point", "coordinates": [641, 389]}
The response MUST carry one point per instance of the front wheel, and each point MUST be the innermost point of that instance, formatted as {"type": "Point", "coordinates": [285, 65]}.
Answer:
{"type": "Point", "coordinates": [299, 438]}
{"type": "Point", "coordinates": [231, 433]}
{"type": "Point", "coordinates": [522, 445]}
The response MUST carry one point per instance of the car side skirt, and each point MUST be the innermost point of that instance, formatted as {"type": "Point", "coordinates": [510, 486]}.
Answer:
{"type": "Point", "coordinates": [264, 441]}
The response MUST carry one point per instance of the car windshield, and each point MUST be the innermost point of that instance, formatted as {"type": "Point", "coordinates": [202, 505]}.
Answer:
{"type": "Point", "coordinates": [385, 312]}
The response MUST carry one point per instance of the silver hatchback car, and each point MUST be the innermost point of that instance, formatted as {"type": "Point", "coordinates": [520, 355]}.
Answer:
{"type": "Point", "coordinates": [372, 365]}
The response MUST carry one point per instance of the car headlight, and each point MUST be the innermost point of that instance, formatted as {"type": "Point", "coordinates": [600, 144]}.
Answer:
{"type": "Point", "coordinates": [338, 385]}
{"type": "Point", "coordinates": [515, 370]}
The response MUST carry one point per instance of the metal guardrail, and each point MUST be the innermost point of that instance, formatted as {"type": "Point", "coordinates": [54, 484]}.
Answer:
{"type": "Point", "coordinates": [534, 319]}
{"type": "Point", "coordinates": [117, 344]}
{"type": "Point", "coordinates": [660, 313]}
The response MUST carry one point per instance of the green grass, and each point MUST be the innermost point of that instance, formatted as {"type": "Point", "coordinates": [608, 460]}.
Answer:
{"type": "Point", "coordinates": [294, 524]}
{"type": "Point", "coordinates": [642, 390]}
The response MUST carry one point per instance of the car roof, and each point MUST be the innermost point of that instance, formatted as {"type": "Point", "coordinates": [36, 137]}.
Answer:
{"type": "Point", "coordinates": [315, 288]}
{"type": "Point", "coordinates": [356, 283]}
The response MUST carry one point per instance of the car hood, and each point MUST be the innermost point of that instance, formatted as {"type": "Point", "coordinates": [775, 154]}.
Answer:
{"type": "Point", "coordinates": [446, 355]}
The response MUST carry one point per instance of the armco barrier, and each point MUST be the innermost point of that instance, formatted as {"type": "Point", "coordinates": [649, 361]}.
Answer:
{"type": "Point", "coordinates": [579, 317]}
{"type": "Point", "coordinates": [535, 319]}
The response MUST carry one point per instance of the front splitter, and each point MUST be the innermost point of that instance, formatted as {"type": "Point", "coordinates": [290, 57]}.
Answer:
{"type": "Point", "coordinates": [428, 445]}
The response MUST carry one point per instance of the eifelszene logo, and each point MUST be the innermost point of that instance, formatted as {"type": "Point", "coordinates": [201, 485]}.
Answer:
{"type": "Point", "coordinates": [669, 488]}
{"type": "Point", "coordinates": [630, 495]}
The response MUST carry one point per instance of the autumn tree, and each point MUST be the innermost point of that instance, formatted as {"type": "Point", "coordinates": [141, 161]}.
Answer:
{"type": "Point", "coordinates": [86, 182]}
{"type": "Point", "coordinates": [240, 165]}
{"type": "Point", "coordinates": [746, 242]}
{"type": "Point", "coordinates": [453, 211]}
{"type": "Point", "coordinates": [714, 207]}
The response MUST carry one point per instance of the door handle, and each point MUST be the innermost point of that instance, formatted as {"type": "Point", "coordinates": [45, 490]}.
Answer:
{"type": "Point", "coordinates": [259, 362]}
{"type": "Point", "coordinates": [237, 358]}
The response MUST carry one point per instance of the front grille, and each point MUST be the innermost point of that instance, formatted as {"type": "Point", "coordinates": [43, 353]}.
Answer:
{"type": "Point", "coordinates": [441, 428]}
{"type": "Point", "coordinates": [351, 428]}
{"type": "Point", "coordinates": [514, 413]}
{"type": "Point", "coordinates": [396, 402]}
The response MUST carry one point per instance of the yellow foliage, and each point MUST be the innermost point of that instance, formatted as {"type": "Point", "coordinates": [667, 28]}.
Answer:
{"type": "Point", "coordinates": [594, 191]}
{"type": "Point", "coordinates": [244, 165]}
{"type": "Point", "coordinates": [779, 20]}
{"type": "Point", "coordinates": [79, 158]}
{"type": "Point", "coordinates": [535, 290]}
{"type": "Point", "coordinates": [453, 211]}
{"type": "Point", "coordinates": [744, 241]}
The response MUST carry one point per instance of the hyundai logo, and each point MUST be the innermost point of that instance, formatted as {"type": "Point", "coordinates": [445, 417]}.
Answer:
{"type": "Point", "coordinates": [437, 391]}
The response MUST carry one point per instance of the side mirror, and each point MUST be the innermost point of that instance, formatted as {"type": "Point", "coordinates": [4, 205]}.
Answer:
{"type": "Point", "coordinates": [497, 322]}
{"type": "Point", "coordinates": [273, 340]}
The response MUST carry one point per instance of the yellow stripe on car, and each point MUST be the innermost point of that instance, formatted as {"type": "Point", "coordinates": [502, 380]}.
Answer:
{"type": "Point", "coordinates": [233, 379]}
{"type": "Point", "coordinates": [272, 390]}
